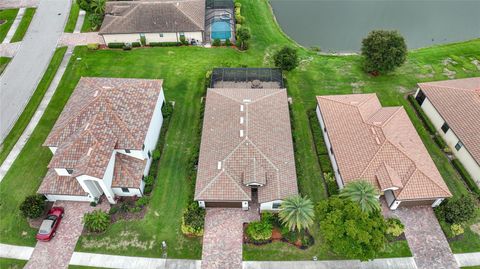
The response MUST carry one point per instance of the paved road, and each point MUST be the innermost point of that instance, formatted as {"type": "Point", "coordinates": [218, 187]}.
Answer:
{"type": "Point", "coordinates": [23, 73]}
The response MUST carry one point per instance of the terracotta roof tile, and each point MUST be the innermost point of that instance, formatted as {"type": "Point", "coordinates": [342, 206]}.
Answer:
{"type": "Point", "coordinates": [55, 184]}
{"type": "Point", "coordinates": [128, 171]}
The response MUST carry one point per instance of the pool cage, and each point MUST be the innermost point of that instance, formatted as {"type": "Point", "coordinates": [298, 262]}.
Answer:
{"type": "Point", "coordinates": [219, 20]}
{"type": "Point", "coordinates": [270, 76]}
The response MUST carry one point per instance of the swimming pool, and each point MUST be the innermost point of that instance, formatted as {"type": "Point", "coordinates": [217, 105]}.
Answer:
{"type": "Point", "coordinates": [221, 30]}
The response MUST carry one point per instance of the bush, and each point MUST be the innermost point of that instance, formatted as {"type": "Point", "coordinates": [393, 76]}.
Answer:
{"type": "Point", "coordinates": [238, 4]}
{"type": "Point", "coordinates": [193, 220]}
{"type": "Point", "coordinates": [394, 227]}
{"type": "Point", "coordinates": [466, 177]}
{"type": "Point", "coordinates": [143, 201]}
{"type": "Point", "coordinates": [113, 210]}
{"type": "Point", "coordinates": [149, 181]}
{"type": "Point", "coordinates": [95, 20]}
{"type": "Point", "coordinates": [156, 155]}
{"type": "Point", "coordinates": [228, 43]}
{"type": "Point", "coordinates": [426, 121]}
{"type": "Point", "coordinates": [136, 44]}
{"type": "Point", "coordinates": [92, 46]}
{"type": "Point", "coordinates": [216, 42]}
{"type": "Point", "coordinates": [325, 163]}
{"type": "Point", "coordinates": [96, 221]}
{"type": "Point", "coordinates": [183, 41]}
{"type": "Point", "coordinates": [243, 35]}
{"type": "Point", "coordinates": [85, 5]}
{"type": "Point", "coordinates": [331, 183]}
{"type": "Point", "coordinates": [116, 45]}
{"type": "Point", "coordinates": [457, 229]}
{"type": "Point", "coordinates": [457, 209]}
{"type": "Point", "coordinates": [290, 236]}
{"type": "Point", "coordinates": [238, 26]}
{"type": "Point", "coordinates": [383, 51]}
{"type": "Point", "coordinates": [286, 58]}
{"type": "Point", "coordinates": [33, 206]}
{"type": "Point", "coordinates": [259, 231]}
{"type": "Point", "coordinates": [164, 44]}
{"type": "Point", "coordinates": [239, 19]}
{"type": "Point", "coordinates": [143, 40]}
{"type": "Point", "coordinates": [440, 143]}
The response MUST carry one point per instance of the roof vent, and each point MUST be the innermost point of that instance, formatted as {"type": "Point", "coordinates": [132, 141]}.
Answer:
{"type": "Point", "coordinates": [247, 100]}
{"type": "Point", "coordinates": [219, 165]}
{"type": "Point", "coordinates": [377, 140]}
{"type": "Point", "coordinates": [241, 133]}
{"type": "Point", "coordinates": [95, 94]}
{"type": "Point", "coordinates": [89, 151]}
{"type": "Point", "coordinates": [241, 120]}
{"type": "Point", "coordinates": [86, 126]}
{"type": "Point", "coordinates": [377, 123]}
{"type": "Point", "coordinates": [373, 130]}
{"type": "Point", "coordinates": [241, 108]}
{"type": "Point", "coordinates": [106, 87]}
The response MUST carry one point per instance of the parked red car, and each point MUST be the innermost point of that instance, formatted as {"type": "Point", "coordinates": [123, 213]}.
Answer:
{"type": "Point", "coordinates": [49, 226]}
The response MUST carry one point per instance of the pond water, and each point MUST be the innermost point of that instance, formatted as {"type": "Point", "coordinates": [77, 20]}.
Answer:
{"type": "Point", "coordinates": [340, 25]}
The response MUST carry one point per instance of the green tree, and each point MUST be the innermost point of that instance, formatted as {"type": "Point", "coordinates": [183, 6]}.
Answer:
{"type": "Point", "coordinates": [286, 58]}
{"type": "Point", "coordinates": [96, 221]}
{"type": "Point", "coordinates": [243, 35]}
{"type": "Point", "coordinates": [85, 5]}
{"type": "Point", "coordinates": [458, 209]}
{"type": "Point", "coordinates": [98, 6]}
{"type": "Point", "coordinates": [297, 213]}
{"type": "Point", "coordinates": [349, 231]}
{"type": "Point", "coordinates": [383, 51]}
{"type": "Point", "coordinates": [363, 193]}
{"type": "Point", "coordinates": [33, 206]}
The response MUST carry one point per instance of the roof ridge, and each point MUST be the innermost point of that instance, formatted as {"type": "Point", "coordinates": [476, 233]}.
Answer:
{"type": "Point", "coordinates": [263, 154]}
{"type": "Point", "coordinates": [122, 124]}
{"type": "Point", "coordinates": [237, 184]}
{"type": "Point", "coordinates": [445, 87]}
{"type": "Point", "coordinates": [117, 17]}
{"type": "Point", "coordinates": [433, 181]}
{"type": "Point", "coordinates": [277, 91]}
{"type": "Point", "coordinates": [387, 120]}
{"type": "Point", "coordinates": [374, 156]}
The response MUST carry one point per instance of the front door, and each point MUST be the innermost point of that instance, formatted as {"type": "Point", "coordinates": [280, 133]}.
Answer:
{"type": "Point", "coordinates": [254, 195]}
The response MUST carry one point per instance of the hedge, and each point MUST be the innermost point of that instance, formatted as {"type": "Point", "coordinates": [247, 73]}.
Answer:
{"type": "Point", "coordinates": [118, 45]}
{"type": "Point", "coordinates": [428, 124]}
{"type": "Point", "coordinates": [466, 177]}
{"type": "Point", "coordinates": [439, 141]}
{"type": "Point", "coordinates": [164, 44]}
{"type": "Point", "coordinates": [136, 44]}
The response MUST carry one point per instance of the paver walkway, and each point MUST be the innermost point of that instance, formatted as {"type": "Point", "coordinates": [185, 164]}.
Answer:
{"type": "Point", "coordinates": [20, 78]}
{"type": "Point", "coordinates": [9, 49]}
{"type": "Point", "coordinates": [56, 254]}
{"type": "Point", "coordinates": [17, 148]}
{"type": "Point", "coordinates": [6, 4]}
{"type": "Point", "coordinates": [425, 237]}
{"type": "Point", "coordinates": [14, 26]}
{"type": "Point", "coordinates": [223, 238]}
{"type": "Point", "coordinates": [80, 39]}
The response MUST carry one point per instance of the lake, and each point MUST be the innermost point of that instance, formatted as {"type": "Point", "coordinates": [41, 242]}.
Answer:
{"type": "Point", "coordinates": [340, 26]}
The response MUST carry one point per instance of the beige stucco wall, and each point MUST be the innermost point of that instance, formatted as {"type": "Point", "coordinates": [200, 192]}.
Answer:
{"type": "Point", "coordinates": [121, 38]}
{"type": "Point", "coordinates": [472, 167]}
{"type": "Point", "coordinates": [151, 37]}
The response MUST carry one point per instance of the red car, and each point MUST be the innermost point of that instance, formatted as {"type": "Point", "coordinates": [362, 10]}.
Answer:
{"type": "Point", "coordinates": [49, 226]}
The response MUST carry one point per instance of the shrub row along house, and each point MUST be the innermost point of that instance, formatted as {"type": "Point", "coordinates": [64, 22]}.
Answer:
{"type": "Point", "coordinates": [158, 21]}
{"type": "Point", "coordinates": [453, 107]}
{"type": "Point", "coordinates": [246, 153]}
{"type": "Point", "coordinates": [380, 145]}
{"type": "Point", "coordinates": [103, 139]}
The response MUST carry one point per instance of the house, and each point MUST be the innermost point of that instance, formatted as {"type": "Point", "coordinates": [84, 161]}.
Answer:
{"type": "Point", "coordinates": [153, 21]}
{"type": "Point", "coordinates": [102, 142]}
{"type": "Point", "coordinates": [380, 145]}
{"type": "Point", "coordinates": [453, 107]}
{"type": "Point", "coordinates": [246, 153]}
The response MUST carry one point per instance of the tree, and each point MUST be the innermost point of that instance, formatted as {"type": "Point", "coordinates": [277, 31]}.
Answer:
{"type": "Point", "coordinates": [243, 35]}
{"type": "Point", "coordinates": [259, 231]}
{"type": "Point", "coordinates": [96, 221]}
{"type": "Point", "coordinates": [348, 230]}
{"type": "Point", "coordinates": [286, 58]}
{"type": "Point", "coordinates": [383, 51]}
{"type": "Point", "coordinates": [458, 209]}
{"type": "Point", "coordinates": [33, 206]}
{"type": "Point", "coordinates": [85, 5]}
{"type": "Point", "coordinates": [363, 193]}
{"type": "Point", "coordinates": [297, 213]}
{"type": "Point", "coordinates": [98, 6]}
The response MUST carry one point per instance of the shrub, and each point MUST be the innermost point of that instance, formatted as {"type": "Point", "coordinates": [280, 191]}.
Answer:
{"type": "Point", "coordinates": [290, 236]}
{"type": "Point", "coordinates": [259, 231]}
{"type": "Point", "coordinates": [193, 220]}
{"type": "Point", "coordinates": [394, 227]}
{"type": "Point", "coordinates": [149, 181]}
{"type": "Point", "coordinates": [164, 44]}
{"type": "Point", "coordinates": [85, 5]}
{"type": "Point", "coordinates": [143, 201]}
{"type": "Point", "coordinates": [183, 41]}
{"type": "Point", "coordinates": [127, 46]}
{"type": "Point", "coordinates": [466, 177]}
{"type": "Point", "coordinates": [325, 163]}
{"type": "Point", "coordinates": [113, 210]}
{"type": "Point", "coordinates": [143, 40]}
{"type": "Point", "coordinates": [383, 51]}
{"type": "Point", "coordinates": [457, 229]}
{"type": "Point", "coordinates": [33, 206]}
{"type": "Point", "coordinates": [331, 183]}
{"type": "Point", "coordinates": [136, 209]}
{"type": "Point", "coordinates": [239, 19]}
{"type": "Point", "coordinates": [96, 221]}
{"type": "Point", "coordinates": [457, 209]}
{"type": "Point", "coordinates": [426, 121]}
{"type": "Point", "coordinates": [228, 43]}
{"type": "Point", "coordinates": [92, 46]}
{"type": "Point", "coordinates": [136, 44]}
{"type": "Point", "coordinates": [116, 45]}
{"type": "Point", "coordinates": [243, 35]}
{"type": "Point", "coordinates": [238, 26]}
{"type": "Point", "coordinates": [216, 42]}
{"type": "Point", "coordinates": [156, 155]}
{"type": "Point", "coordinates": [286, 58]}
{"type": "Point", "coordinates": [440, 143]}
{"type": "Point", "coordinates": [95, 20]}
{"type": "Point", "coordinates": [238, 4]}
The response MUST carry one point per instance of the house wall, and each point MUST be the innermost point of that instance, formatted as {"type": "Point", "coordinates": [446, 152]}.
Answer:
{"type": "Point", "coordinates": [53, 149]}
{"type": "Point", "coordinates": [268, 206]}
{"type": "Point", "coordinates": [338, 177]}
{"type": "Point", "coordinates": [151, 37]}
{"type": "Point", "coordinates": [62, 172]}
{"type": "Point", "coordinates": [53, 198]}
{"type": "Point", "coordinates": [139, 154]}
{"type": "Point", "coordinates": [132, 192]}
{"type": "Point", "coordinates": [121, 38]}
{"type": "Point", "coordinates": [472, 167]}
{"type": "Point", "coordinates": [153, 132]}
{"type": "Point", "coordinates": [167, 37]}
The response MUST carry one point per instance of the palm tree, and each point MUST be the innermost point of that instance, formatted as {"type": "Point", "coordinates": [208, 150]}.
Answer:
{"type": "Point", "coordinates": [296, 213]}
{"type": "Point", "coordinates": [363, 193]}
{"type": "Point", "coordinates": [98, 6]}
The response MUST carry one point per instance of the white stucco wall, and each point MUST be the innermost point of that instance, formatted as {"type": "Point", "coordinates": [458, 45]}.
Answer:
{"type": "Point", "coordinates": [268, 206]}
{"type": "Point", "coordinates": [62, 172]}
{"type": "Point", "coordinates": [121, 38]}
{"type": "Point", "coordinates": [472, 167]}
{"type": "Point", "coordinates": [139, 154]}
{"type": "Point", "coordinates": [53, 198]}
{"type": "Point", "coordinates": [132, 192]}
{"type": "Point", "coordinates": [151, 37]}
{"type": "Point", "coordinates": [167, 37]}
{"type": "Point", "coordinates": [338, 177]}
{"type": "Point", "coordinates": [153, 132]}
{"type": "Point", "coordinates": [53, 149]}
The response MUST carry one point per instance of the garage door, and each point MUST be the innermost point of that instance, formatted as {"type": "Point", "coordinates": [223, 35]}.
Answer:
{"type": "Point", "coordinates": [416, 203]}
{"type": "Point", "coordinates": [224, 204]}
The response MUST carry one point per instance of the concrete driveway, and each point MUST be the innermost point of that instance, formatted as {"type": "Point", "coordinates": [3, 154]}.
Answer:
{"type": "Point", "coordinates": [20, 79]}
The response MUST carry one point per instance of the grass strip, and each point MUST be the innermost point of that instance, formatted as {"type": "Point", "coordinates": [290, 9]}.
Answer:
{"type": "Point", "coordinates": [23, 26]}
{"type": "Point", "coordinates": [7, 15]}
{"type": "Point", "coordinates": [72, 18]}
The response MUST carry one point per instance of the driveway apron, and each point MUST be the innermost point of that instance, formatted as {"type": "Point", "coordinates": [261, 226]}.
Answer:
{"type": "Point", "coordinates": [223, 238]}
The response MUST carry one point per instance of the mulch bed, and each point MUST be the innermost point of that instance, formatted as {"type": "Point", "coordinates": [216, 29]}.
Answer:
{"type": "Point", "coordinates": [35, 223]}
{"type": "Point", "coordinates": [129, 215]}
{"type": "Point", "coordinates": [276, 237]}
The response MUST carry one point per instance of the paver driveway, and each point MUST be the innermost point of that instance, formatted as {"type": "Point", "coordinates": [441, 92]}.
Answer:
{"type": "Point", "coordinates": [56, 254]}
{"type": "Point", "coordinates": [223, 238]}
{"type": "Point", "coordinates": [425, 237]}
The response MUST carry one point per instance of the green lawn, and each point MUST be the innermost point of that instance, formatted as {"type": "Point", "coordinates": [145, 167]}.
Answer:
{"type": "Point", "coordinates": [86, 26]}
{"type": "Point", "coordinates": [3, 63]}
{"type": "Point", "coordinates": [183, 69]}
{"type": "Point", "coordinates": [11, 263]}
{"type": "Point", "coordinates": [72, 18]}
{"type": "Point", "coordinates": [32, 105]}
{"type": "Point", "coordinates": [23, 26]}
{"type": "Point", "coordinates": [9, 16]}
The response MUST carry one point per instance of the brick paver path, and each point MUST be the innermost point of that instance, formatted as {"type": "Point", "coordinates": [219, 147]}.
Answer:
{"type": "Point", "coordinates": [56, 254]}
{"type": "Point", "coordinates": [223, 238]}
{"type": "Point", "coordinates": [425, 237]}
{"type": "Point", "coordinates": [6, 4]}
{"type": "Point", "coordinates": [9, 49]}
{"type": "Point", "coordinates": [79, 39]}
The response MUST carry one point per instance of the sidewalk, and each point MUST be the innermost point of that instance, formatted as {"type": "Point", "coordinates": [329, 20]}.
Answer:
{"type": "Point", "coordinates": [80, 19]}
{"type": "Point", "coordinates": [14, 26]}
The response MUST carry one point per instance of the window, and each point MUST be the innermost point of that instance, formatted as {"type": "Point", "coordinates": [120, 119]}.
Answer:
{"type": "Point", "coordinates": [276, 205]}
{"type": "Point", "coordinates": [331, 150]}
{"type": "Point", "coordinates": [143, 146]}
{"type": "Point", "coordinates": [420, 97]}
{"type": "Point", "coordinates": [149, 154]}
{"type": "Point", "coordinates": [125, 190]}
{"type": "Point", "coordinates": [70, 171]}
{"type": "Point", "coordinates": [127, 151]}
{"type": "Point", "coordinates": [161, 34]}
{"type": "Point", "coordinates": [458, 146]}
{"type": "Point", "coordinates": [445, 128]}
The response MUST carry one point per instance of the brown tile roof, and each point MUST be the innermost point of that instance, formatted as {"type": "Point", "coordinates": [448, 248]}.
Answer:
{"type": "Point", "coordinates": [379, 145]}
{"type": "Point", "coordinates": [458, 102]}
{"type": "Point", "coordinates": [63, 185]}
{"type": "Point", "coordinates": [248, 132]}
{"type": "Point", "coordinates": [161, 16]}
{"type": "Point", "coordinates": [128, 171]}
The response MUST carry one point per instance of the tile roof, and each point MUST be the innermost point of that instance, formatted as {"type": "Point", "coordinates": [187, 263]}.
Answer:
{"type": "Point", "coordinates": [160, 16]}
{"type": "Point", "coordinates": [381, 146]}
{"type": "Point", "coordinates": [458, 102]}
{"type": "Point", "coordinates": [128, 171]}
{"type": "Point", "coordinates": [246, 138]}
{"type": "Point", "coordinates": [62, 185]}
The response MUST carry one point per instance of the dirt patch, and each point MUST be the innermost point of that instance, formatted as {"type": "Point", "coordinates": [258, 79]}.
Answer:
{"type": "Point", "coordinates": [475, 228]}
{"type": "Point", "coordinates": [357, 86]}
{"type": "Point", "coordinates": [122, 241]}
{"type": "Point", "coordinates": [430, 72]}
{"type": "Point", "coordinates": [276, 234]}
{"type": "Point", "coordinates": [449, 73]}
